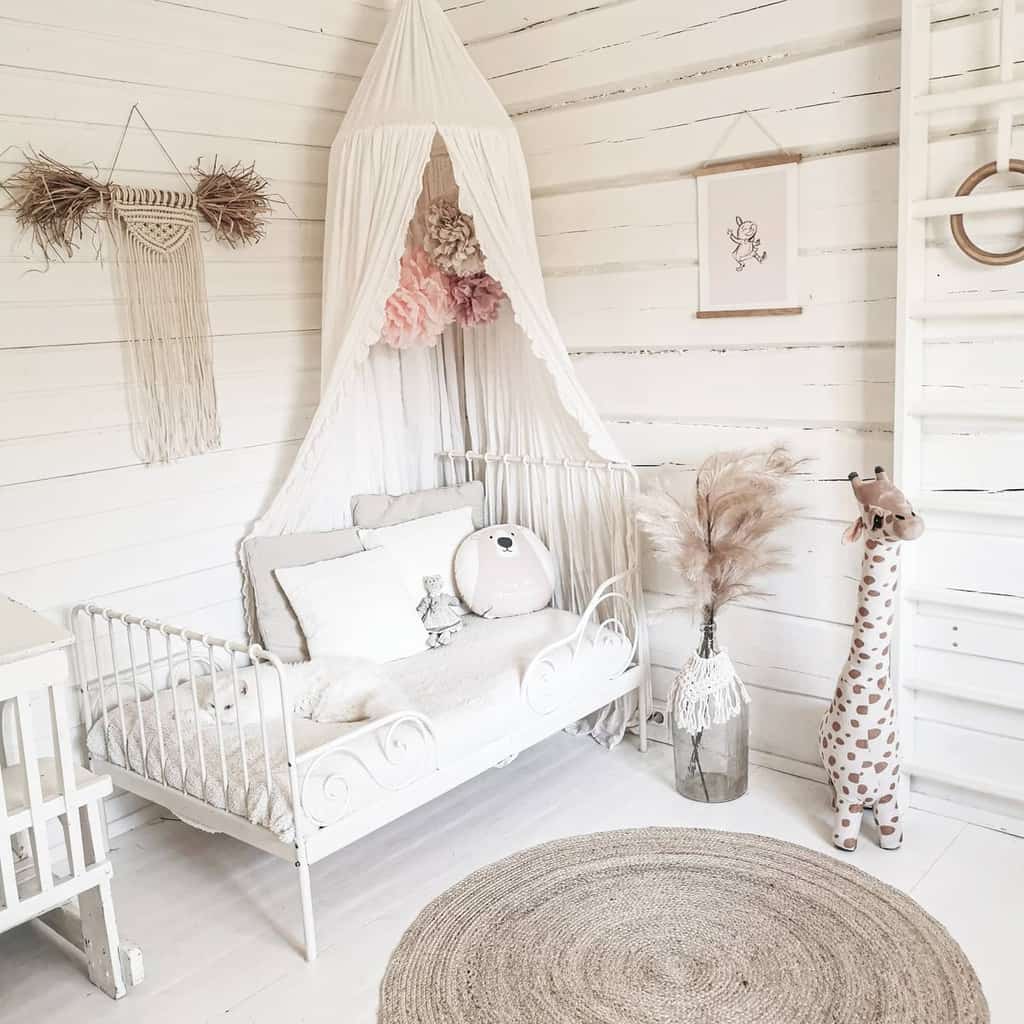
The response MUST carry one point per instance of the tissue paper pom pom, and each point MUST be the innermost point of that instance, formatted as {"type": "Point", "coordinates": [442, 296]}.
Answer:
{"type": "Point", "coordinates": [421, 307]}
{"type": "Point", "coordinates": [451, 240]}
{"type": "Point", "coordinates": [477, 299]}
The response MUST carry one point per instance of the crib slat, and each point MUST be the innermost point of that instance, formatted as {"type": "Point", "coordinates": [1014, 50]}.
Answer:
{"type": "Point", "coordinates": [69, 785]}
{"type": "Point", "coordinates": [138, 700]}
{"type": "Point", "coordinates": [115, 675]}
{"type": "Point", "coordinates": [8, 882]}
{"type": "Point", "coordinates": [155, 690]}
{"type": "Point", "coordinates": [103, 688]}
{"type": "Point", "coordinates": [241, 729]}
{"type": "Point", "coordinates": [220, 730]}
{"type": "Point", "coordinates": [34, 790]}
{"type": "Point", "coordinates": [195, 713]}
{"type": "Point", "coordinates": [263, 725]}
{"type": "Point", "coordinates": [82, 672]}
{"type": "Point", "coordinates": [176, 710]}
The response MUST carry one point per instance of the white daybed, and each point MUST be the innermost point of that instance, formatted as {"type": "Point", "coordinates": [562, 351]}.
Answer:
{"type": "Point", "coordinates": [500, 404]}
{"type": "Point", "coordinates": [301, 790]}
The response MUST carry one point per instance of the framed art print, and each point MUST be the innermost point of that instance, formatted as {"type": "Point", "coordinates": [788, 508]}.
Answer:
{"type": "Point", "coordinates": [748, 246]}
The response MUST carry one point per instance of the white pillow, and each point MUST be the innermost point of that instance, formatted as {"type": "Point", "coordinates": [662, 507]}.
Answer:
{"type": "Point", "coordinates": [424, 547]}
{"type": "Point", "coordinates": [355, 607]}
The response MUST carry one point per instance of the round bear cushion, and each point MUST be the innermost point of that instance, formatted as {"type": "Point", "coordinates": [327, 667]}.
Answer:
{"type": "Point", "coordinates": [503, 571]}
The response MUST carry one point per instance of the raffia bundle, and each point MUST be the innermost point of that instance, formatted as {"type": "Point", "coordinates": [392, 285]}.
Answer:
{"type": "Point", "coordinates": [234, 201]}
{"type": "Point", "coordinates": [54, 202]}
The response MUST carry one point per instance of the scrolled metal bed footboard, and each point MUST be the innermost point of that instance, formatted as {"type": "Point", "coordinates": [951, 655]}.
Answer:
{"type": "Point", "coordinates": [616, 631]}
{"type": "Point", "coordinates": [611, 611]}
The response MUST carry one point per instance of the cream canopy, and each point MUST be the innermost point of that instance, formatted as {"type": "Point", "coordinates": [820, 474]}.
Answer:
{"type": "Point", "coordinates": [508, 387]}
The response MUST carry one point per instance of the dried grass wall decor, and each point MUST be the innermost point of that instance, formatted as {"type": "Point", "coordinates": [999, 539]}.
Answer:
{"type": "Point", "coordinates": [156, 232]}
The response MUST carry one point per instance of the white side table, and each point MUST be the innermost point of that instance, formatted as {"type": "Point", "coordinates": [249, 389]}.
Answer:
{"type": "Point", "coordinates": [42, 792]}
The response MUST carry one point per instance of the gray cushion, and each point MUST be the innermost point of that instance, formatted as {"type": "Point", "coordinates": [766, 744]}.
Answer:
{"type": "Point", "coordinates": [278, 625]}
{"type": "Point", "coordinates": [373, 510]}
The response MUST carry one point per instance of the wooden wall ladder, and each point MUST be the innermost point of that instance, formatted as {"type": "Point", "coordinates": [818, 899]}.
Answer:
{"type": "Point", "coordinates": [918, 319]}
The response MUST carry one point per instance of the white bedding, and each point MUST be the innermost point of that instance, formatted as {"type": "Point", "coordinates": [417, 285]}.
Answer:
{"type": "Point", "coordinates": [470, 691]}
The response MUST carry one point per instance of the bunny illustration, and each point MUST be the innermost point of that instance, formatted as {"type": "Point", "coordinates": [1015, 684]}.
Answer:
{"type": "Point", "coordinates": [748, 245]}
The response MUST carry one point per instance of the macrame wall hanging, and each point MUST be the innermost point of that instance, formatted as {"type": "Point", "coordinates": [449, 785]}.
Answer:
{"type": "Point", "coordinates": [160, 265]}
{"type": "Point", "coordinates": [160, 261]}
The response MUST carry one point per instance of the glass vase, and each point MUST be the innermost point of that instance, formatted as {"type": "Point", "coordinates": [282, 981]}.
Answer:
{"type": "Point", "coordinates": [713, 765]}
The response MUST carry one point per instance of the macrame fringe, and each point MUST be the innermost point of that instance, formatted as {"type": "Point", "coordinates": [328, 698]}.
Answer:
{"type": "Point", "coordinates": [707, 692]}
{"type": "Point", "coordinates": [174, 395]}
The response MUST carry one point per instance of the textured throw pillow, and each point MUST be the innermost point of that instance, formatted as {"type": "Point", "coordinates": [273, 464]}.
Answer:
{"type": "Point", "coordinates": [373, 510]}
{"type": "Point", "coordinates": [278, 625]}
{"type": "Point", "coordinates": [505, 570]}
{"type": "Point", "coordinates": [424, 547]}
{"type": "Point", "coordinates": [355, 607]}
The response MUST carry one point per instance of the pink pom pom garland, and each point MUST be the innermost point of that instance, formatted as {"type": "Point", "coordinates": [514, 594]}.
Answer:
{"type": "Point", "coordinates": [477, 299]}
{"type": "Point", "coordinates": [421, 307]}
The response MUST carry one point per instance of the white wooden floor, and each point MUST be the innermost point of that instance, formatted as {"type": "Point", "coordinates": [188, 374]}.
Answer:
{"type": "Point", "coordinates": [219, 922]}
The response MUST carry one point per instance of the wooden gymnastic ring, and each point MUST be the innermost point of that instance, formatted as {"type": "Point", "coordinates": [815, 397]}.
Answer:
{"type": "Point", "coordinates": [956, 222]}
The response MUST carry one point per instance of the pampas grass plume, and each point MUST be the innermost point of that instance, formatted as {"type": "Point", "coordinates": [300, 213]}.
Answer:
{"type": "Point", "coordinates": [721, 544]}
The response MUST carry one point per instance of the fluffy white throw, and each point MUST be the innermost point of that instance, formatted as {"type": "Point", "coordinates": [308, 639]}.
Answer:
{"type": "Point", "coordinates": [325, 690]}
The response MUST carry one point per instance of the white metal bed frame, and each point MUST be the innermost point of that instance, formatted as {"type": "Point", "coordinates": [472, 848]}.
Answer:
{"type": "Point", "coordinates": [319, 781]}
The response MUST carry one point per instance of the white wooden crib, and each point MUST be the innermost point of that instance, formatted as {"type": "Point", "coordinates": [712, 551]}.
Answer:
{"type": "Point", "coordinates": [64, 885]}
{"type": "Point", "coordinates": [302, 793]}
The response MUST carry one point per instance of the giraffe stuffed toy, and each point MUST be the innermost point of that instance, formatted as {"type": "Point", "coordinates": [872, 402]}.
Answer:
{"type": "Point", "coordinates": [860, 745]}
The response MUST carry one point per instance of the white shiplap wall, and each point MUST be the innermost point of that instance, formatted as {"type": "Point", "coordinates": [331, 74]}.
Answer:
{"type": "Point", "coordinates": [617, 101]}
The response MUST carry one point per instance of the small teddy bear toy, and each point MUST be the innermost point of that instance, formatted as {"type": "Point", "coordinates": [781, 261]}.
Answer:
{"type": "Point", "coordinates": [438, 612]}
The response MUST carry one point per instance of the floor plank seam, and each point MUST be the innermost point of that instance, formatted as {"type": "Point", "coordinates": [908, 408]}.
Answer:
{"type": "Point", "coordinates": [931, 867]}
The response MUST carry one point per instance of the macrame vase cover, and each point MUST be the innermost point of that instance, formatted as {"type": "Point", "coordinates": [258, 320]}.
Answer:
{"type": "Point", "coordinates": [707, 692]}
{"type": "Point", "coordinates": [161, 267]}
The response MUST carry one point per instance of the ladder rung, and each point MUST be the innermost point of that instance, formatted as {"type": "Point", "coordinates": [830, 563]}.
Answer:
{"type": "Point", "coordinates": [999, 604]}
{"type": "Point", "coordinates": [970, 308]}
{"type": "Point", "coordinates": [969, 410]}
{"type": "Point", "coordinates": [979, 203]}
{"type": "Point", "coordinates": [979, 95]}
{"type": "Point", "coordinates": [959, 692]}
{"type": "Point", "coordinates": [957, 781]}
{"type": "Point", "coordinates": [973, 505]}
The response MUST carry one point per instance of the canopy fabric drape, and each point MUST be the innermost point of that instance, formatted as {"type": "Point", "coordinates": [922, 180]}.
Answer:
{"type": "Point", "coordinates": [508, 387]}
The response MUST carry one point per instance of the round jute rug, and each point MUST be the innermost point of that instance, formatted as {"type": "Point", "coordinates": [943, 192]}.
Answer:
{"type": "Point", "coordinates": [676, 926]}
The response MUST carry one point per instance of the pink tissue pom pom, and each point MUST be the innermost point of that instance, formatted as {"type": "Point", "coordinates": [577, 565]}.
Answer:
{"type": "Point", "coordinates": [477, 299]}
{"type": "Point", "coordinates": [421, 307]}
